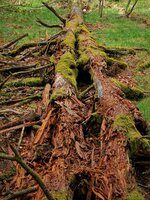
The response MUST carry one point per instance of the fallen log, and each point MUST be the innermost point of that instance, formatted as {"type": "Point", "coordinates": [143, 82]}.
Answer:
{"type": "Point", "coordinates": [72, 150]}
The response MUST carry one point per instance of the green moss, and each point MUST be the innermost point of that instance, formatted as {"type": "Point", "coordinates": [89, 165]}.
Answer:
{"type": "Point", "coordinates": [83, 59]}
{"type": "Point", "coordinates": [52, 59]}
{"type": "Point", "coordinates": [112, 61]}
{"type": "Point", "coordinates": [135, 195]}
{"type": "Point", "coordinates": [58, 195]}
{"type": "Point", "coordinates": [67, 68]}
{"type": "Point", "coordinates": [58, 93]}
{"type": "Point", "coordinates": [144, 66]}
{"type": "Point", "coordinates": [132, 93]}
{"type": "Point", "coordinates": [33, 81]}
{"type": "Point", "coordinates": [69, 40]}
{"type": "Point", "coordinates": [126, 124]}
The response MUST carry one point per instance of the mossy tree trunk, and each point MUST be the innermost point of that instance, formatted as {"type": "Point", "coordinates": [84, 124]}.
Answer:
{"type": "Point", "coordinates": [89, 137]}
{"type": "Point", "coordinates": [90, 156]}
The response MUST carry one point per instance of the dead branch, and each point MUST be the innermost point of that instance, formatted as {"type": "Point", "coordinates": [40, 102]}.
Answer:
{"type": "Point", "coordinates": [17, 157]}
{"type": "Point", "coordinates": [28, 124]}
{"type": "Point", "coordinates": [82, 94]}
{"type": "Point", "coordinates": [45, 95]}
{"type": "Point", "coordinates": [129, 1]}
{"type": "Point", "coordinates": [5, 80]}
{"type": "Point", "coordinates": [24, 72]}
{"type": "Point", "coordinates": [16, 194]}
{"type": "Point", "coordinates": [20, 139]}
{"type": "Point", "coordinates": [15, 66]}
{"type": "Point", "coordinates": [24, 47]}
{"type": "Point", "coordinates": [48, 25]}
{"type": "Point", "coordinates": [55, 13]}
{"type": "Point", "coordinates": [32, 70]}
{"type": "Point", "coordinates": [132, 8]}
{"type": "Point", "coordinates": [13, 42]}
{"type": "Point", "coordinates": [28, 117]}
{"type": "Point", "coordinates": [10, 110]}
{"type": "Point", "coordinates": [24, 100]}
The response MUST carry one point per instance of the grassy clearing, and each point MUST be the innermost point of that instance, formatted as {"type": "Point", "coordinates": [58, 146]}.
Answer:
{"type": "Point", "coordinates": [121, 31]}
{"type": "Point", "coordinates": [143, 80]}
{"type": "Point", "coordinates": [144, 106]}
{"type": "Point", "coordinates": [22, 19]}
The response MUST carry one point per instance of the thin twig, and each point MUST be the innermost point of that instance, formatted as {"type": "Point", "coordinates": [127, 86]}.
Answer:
{"type": "Point", "coordinates": [19, 126]}
{"type": "Point", "coordinates": [13, 42]}
{"type": "Point", "coordinates": [26, 99]}
{"type": "Point", "coordinates": [16, 194]}
{"type": "Point", "coordinates": [10, 110]}
{"type": "Point", "coordinates": [48, 25]}
{"type": "Point", "coordinates": [55, 13]}
{"type": "Point", "coordinates": [21, 136]}
{"type": "Point", "coordinates": [128, 14]}
{"type": "Point", "coordinates": [17, 157]}
{"type": "Point", "coordinates": [15, 66]}
{"type": "Point", "coordinates": [5, 80]}
{"type": "Point", "coordinates": [23, 72]}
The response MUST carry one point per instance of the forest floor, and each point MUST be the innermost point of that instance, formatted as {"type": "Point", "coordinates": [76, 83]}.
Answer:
{"type": "Point", "coordinates": [23, 103]}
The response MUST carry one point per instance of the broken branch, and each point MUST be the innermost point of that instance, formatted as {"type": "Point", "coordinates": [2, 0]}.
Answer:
{"type": "Point", "coordinates": [17, 157]}
{"type": "Point", "coordinates": [13, 42]}
{"type": "Point", "coordinates": [21, 136]}
{"type": "Point", "coordinates": [16, 194]}
{"type": "Point", "coordinates": [54, 12]}
{"type": "Point", "coordinates": [18, 127]}
{"type": "Point", "coordinates": [49, 26]}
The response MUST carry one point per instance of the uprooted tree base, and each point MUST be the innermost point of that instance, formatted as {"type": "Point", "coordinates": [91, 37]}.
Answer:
{"type": "Point", "coordinates": [79, 133]}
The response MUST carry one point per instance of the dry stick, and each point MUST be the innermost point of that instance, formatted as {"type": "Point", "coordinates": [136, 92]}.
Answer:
{"type": "Point", "coordinates": [29, 98]}
{"type": "Point", "coordinates": [13, 42]}
{"type": "Point", "coordinates": [21, 136]}
{"type": "Point", "coordinates": [10, 110]}
{"type": "Point", "coordinates": [34, 175]}
{"type": "Point", "coordinates": [33, 44]}
{"type": "Point", "coordinates": [24, 72]}
{"type": "Point", "coordinates": [18, 127]}
{"type": "Point", "coordinates": [47, 25]}
{"type": "Point", "coordinates": [55, 13]}
{"type": "Point", "coordinates": [5, 80]}
{"type": "Point", "coordinates": [15, 66]}
{"type": "Point", "coordinates": [144, 186]}
{"type": "Point", "coordinates": [23, 47]}
{"type": "Point", "coordinates": [16, 194]}
{"type": "Point", "coordinates": [82, 94]}
{"type": "Point", "coordinates": [129, 1]}
{"type": "Point", "coordinates": [128, 14]}
{"type": "Point", "coordinates": [32, 70]}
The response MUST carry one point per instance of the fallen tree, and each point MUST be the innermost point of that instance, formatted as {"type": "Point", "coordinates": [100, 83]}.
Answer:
{"type": "Point", "coordinates": [89, 129]}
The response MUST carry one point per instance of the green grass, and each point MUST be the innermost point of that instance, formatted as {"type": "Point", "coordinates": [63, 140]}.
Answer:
{"type": "Point", "coordinates": [23, 20]}
{"type": "Point", "coordinates": [143, 80]}
{"type": "Point", "coordinates": [144, 107]}
{"type": "Point", "coordinates": [121, 31]}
